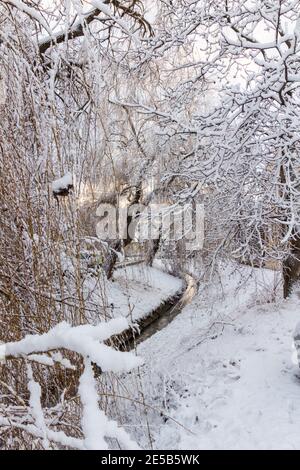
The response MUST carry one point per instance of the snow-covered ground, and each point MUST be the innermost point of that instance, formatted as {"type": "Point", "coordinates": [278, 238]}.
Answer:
{"type": "Point", "coordinates": [223, 369]}
{"type": "Point", "coordinates": [137, 290]}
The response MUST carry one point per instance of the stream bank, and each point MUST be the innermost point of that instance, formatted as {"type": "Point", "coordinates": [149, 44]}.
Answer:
{"type": "Point", "coordinates": [160, 317]}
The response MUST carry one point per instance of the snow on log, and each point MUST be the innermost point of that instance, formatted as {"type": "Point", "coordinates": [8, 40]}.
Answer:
{"type": "Point", "coordinates": [63, 185]}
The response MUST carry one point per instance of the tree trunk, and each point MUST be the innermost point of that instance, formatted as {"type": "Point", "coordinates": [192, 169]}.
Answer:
{"type": "Point", "coordinates": [153, 249]}
{"type": "Point", "coordinates": [291, 263]}
{"type": "Point", "coordinates": [291, 266]}
{"type": "Point", "coordinates": [112, 256]}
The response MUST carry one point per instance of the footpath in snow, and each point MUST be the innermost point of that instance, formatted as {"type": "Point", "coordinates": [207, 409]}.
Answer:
{"type": "Point", "coordinates": [223, 369]}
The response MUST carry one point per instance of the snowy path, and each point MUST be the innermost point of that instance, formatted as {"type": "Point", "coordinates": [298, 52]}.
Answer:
{"type": "Point", "coordinates": [233, 385]}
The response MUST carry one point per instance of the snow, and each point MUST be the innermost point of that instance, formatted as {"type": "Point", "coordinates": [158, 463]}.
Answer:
{"type": "Point", "coordinates": [84, 340]}
{"type": "Point", "coordinates": [2, 352]}
{"type": "Point", "coordinates": [297, 331]}
{"type": "Point", "coordinates": [149, 289]}
{"type": "Point", "coordinates": [223, 369]}
{"type": "Point", "coordinates": [297, 28]}
{"type": "Point", "coordinates": [95, 424]}
{"type": "Point", "coordinates": [135, 291]}
{"type": "Point", "coordinates": [219, 126]}
{"type": "Point", "coordinates": [108, 12]}
{"type": "Point", "coordinates": [32, 12]}
{"type": "Point", "coordinates": [62, 183]}
{"type": "Point", "coordinates": [36, 407]}
{"type": "Point", "coordinates": [296, 354]}
{"type": "Point", "coordinates": [84, 12]}
{"type": "Point", "coordinates": [56, 436]}
{"type": "Point", "coordinates": [49, 360]}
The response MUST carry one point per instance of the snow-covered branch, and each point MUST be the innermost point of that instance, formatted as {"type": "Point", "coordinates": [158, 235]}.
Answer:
{"type": "Point", "coordinates": [85, 340]}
